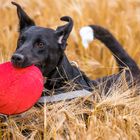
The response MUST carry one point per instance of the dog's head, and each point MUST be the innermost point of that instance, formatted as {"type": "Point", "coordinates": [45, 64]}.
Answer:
{"type": "Point", "coordinates": [40, 46]}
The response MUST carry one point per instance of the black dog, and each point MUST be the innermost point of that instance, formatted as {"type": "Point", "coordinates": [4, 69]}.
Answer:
{"type": "Point", "coordinates": [44, 47]}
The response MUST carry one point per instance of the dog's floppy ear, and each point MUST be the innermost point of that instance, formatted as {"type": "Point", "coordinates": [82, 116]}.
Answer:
{"type": "Point", "coordinates": [24, 20]}
{"type": "Point", "coordinates": [63, 32]}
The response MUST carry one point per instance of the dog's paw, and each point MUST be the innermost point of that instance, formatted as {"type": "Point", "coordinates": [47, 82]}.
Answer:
{"type": "Point", "coordinates": [87, 35]}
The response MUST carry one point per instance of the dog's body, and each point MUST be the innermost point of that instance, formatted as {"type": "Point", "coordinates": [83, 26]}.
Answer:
{"type": "Point", "coordinates": [45, 47]}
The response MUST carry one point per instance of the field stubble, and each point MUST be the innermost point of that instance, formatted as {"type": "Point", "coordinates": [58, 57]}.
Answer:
{"type": "Point", "coordinates": [116, 116]}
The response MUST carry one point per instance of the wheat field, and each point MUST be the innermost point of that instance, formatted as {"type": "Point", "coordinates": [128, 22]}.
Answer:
{"type": "Point", "coordinates": [112, 117]}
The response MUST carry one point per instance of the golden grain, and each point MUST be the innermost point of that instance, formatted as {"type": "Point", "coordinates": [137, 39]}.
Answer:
{"type": "Point", "coordinates": [112, 117]}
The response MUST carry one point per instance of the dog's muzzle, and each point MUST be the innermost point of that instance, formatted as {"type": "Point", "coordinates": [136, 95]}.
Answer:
{"type": "Point", "coordinates": [17, 59]}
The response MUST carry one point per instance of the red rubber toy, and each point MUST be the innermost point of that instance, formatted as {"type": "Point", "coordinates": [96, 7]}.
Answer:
{"type": "Point", "coordinates": [20, 88]}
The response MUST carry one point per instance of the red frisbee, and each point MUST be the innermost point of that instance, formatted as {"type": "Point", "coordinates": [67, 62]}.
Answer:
{"type": "Point", "coordinates": [20, 88]}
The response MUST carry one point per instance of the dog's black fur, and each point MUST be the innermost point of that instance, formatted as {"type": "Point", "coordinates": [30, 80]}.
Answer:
{"type": "Point", "coordinates": [44, 47]}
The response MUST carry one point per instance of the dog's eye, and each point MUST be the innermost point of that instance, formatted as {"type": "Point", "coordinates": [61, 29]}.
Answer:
{"type": "Point", "coordinates": [40, 44]}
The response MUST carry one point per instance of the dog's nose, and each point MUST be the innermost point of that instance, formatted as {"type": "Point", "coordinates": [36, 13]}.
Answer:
{"type": "Point", "coordinates": [18, 58]}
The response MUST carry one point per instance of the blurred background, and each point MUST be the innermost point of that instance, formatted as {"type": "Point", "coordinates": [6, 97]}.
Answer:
{"type": "Point", "coordinates": [121, 17]}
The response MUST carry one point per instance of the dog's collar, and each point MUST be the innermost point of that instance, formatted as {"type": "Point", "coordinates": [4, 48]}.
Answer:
{"type": "Point", "coordinates": [74, 63]}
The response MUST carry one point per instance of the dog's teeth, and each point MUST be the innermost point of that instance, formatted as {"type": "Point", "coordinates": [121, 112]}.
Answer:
{"type": "Point", "coordinates": [87, 35]}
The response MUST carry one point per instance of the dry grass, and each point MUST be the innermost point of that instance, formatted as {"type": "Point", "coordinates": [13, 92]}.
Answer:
{"type": "Point", "coordinates": [115, 117]}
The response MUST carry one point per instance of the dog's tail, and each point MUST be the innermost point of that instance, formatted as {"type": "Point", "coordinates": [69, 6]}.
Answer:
{"type": "Point", "coordinates": [88, 33]}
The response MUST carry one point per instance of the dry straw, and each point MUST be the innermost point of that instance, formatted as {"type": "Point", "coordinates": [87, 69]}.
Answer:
{"type": "Point", "coordinates": [115, 116]}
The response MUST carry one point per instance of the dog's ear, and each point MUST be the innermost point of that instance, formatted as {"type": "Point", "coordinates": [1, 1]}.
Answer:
{"type": "Point", "coordinates": [63, 32]}
{"type": "Point", "coordinates": [24, 20]}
